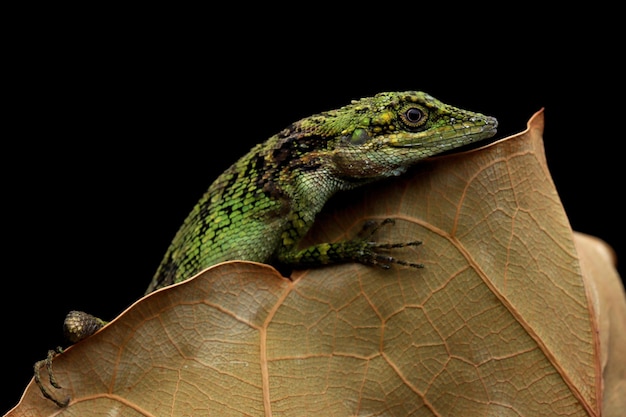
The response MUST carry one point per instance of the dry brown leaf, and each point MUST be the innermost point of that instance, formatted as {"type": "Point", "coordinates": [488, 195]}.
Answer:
{"type": "Point", "coordinates": [499, 322]}
{"type": "Point", "coordinates": [608, 300]}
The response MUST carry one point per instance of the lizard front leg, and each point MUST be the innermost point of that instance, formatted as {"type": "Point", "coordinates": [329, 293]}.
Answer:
{"type": "Point", "coordinates": [362, 249]}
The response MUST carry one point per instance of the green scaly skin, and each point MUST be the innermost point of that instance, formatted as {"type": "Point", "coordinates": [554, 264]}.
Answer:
{"type": "Point", "coordinates": [264, 204]}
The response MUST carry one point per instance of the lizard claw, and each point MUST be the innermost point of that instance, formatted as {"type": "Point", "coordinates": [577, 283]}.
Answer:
{"type": "Point", "coordinates": [369, 253]}
{"type": "Point", "coordinates": [48, 364]}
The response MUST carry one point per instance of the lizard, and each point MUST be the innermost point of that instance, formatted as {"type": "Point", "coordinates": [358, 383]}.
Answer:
{"type": "Point", "coordinates": [262, 206]}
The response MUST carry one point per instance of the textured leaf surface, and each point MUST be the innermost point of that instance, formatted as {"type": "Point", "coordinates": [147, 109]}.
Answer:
{"type": "Point", "coordinates": [498, 322]}
{"type": "Point", "coordinates": [608, 299]}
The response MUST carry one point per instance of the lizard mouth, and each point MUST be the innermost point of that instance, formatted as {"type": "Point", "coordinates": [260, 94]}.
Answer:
{"type": "Point", "coordinates": [449, 136]}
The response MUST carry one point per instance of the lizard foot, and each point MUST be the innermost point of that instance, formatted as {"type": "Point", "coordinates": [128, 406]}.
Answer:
{"type": "Point", "coordinates": [48, 364]}
{"type": "Point", "coordinates": [77, 326]}
{"type": "Point", "coordinates": [368, 252]}
{"type": "Point", "coordinates": [362, 249]}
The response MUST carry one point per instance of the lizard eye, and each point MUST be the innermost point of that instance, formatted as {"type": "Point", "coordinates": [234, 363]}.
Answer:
{"type": "Point", "coordinates": [413, 116]}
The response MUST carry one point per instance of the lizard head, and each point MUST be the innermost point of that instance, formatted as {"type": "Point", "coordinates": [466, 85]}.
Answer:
{"type": "Point", "coordinates": [383, 135]}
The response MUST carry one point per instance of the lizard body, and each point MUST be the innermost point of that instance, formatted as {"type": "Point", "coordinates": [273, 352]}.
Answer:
{"type": "Point", "coordinates": [263, 205]}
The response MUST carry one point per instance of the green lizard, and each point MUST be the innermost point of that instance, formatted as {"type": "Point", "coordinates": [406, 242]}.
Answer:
{"type": "Point", "coordinates": [263, 205]}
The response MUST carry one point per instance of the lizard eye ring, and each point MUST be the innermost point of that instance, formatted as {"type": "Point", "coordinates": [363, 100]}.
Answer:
{"type": "Point", "coordinates": [413, 116]}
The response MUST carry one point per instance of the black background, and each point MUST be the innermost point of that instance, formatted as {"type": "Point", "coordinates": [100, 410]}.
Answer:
{"type": "Point", "coordinates": [119, 133]}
